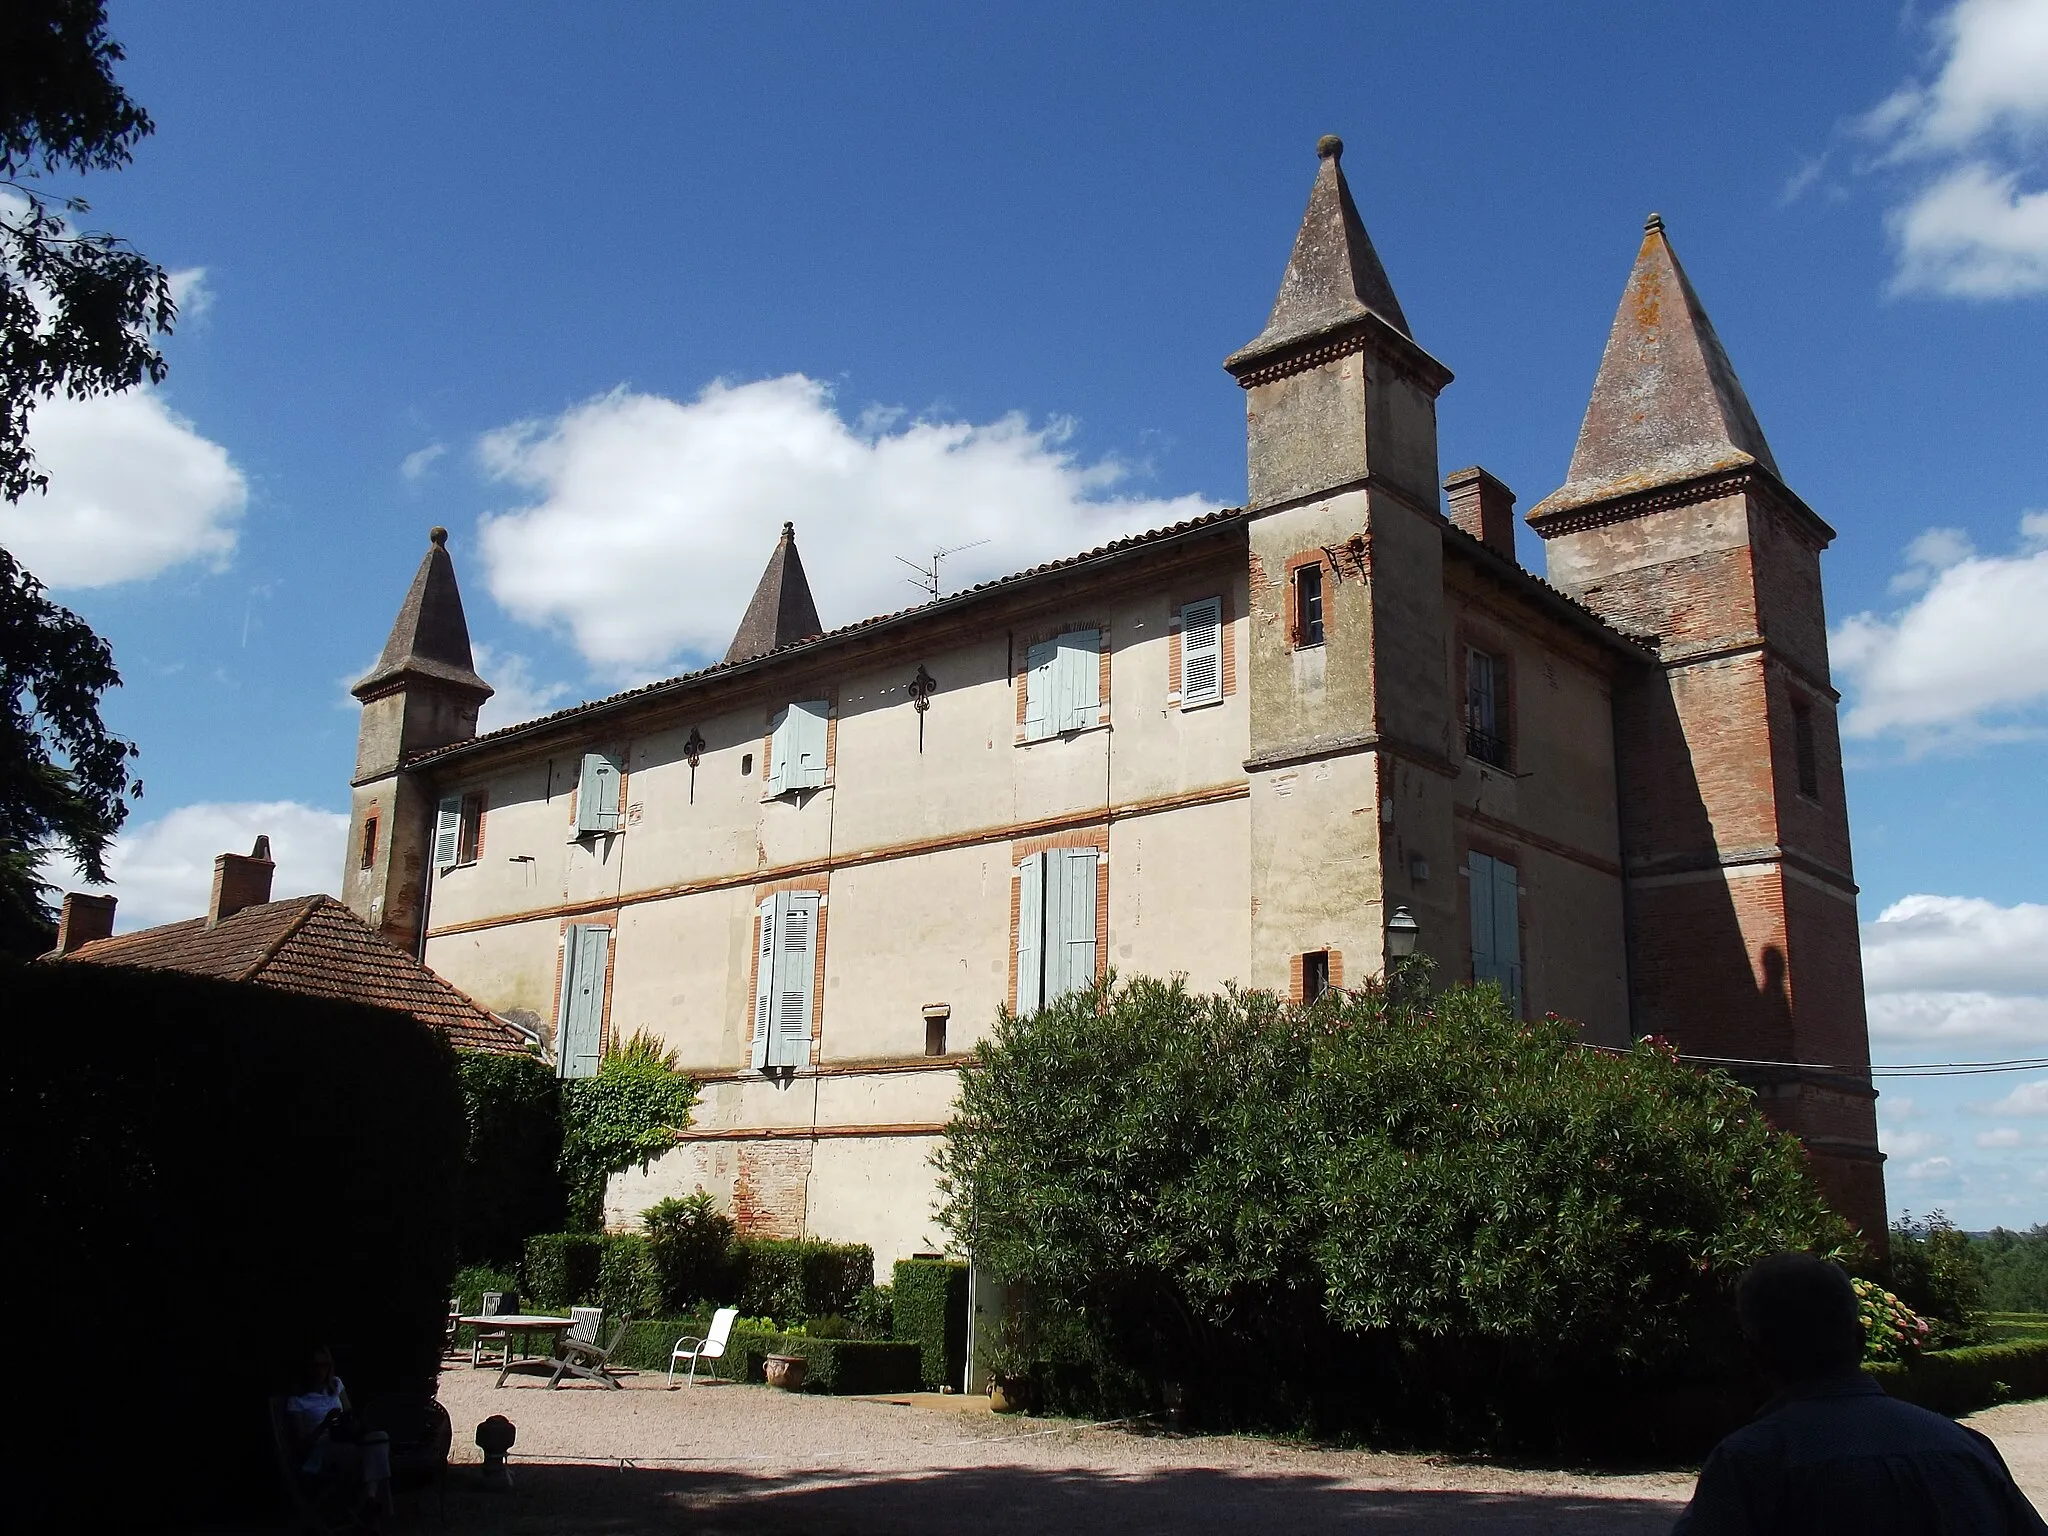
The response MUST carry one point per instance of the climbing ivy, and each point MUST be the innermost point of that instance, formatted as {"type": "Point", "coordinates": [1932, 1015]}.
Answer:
{"type": "Point", "coordinates": [628, 1114]}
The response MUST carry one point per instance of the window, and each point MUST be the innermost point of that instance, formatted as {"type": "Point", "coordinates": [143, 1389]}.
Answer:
{"type": "Point", "coordinates": [1063, 684]}
{"type": "Point", "coordinates": [1315, 974]}
{"type": "Point", "coordinates": [579, 1021]}
{"type": "Point", "coordinates": [1802, 749]}
{"type": "Point", "coordinates": [368, 859]}
{"type": "Point", "coordinates": [1055, 925]}
{"type": "Point", "coordinates": [796, 747]}
{"type": "Point", "coordinates": [597, 794]}
{"type": "Point", "coordinates": [785, 976]}
{"type": "Point", "coordinates": [1486, 707]}
{"type": "Point", "coordinates": [458, 832]}
{"type": "Point", "coordinates": [1201, 653]}
{"type": "Point", "coordinates": [1308, 605]}
{"type": "Point", "coordinates": [1496, 924]}
{"type": "Point", "coordinates": [746, 765]}
{"type": "Point", "coordinates": [936, 1016]}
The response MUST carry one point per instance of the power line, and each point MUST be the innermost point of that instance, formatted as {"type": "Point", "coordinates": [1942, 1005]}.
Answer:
{"type": "Point", "coordinates": [1890, 1069]}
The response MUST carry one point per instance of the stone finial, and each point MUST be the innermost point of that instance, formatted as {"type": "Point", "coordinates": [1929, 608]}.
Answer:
{"type": "Point", "coordinates": [430, 639]}
{"type": "Point", "coordinates": [782, 611]}
{"type": "Point", "coordinates": [438, 537]}
{"type": "Point", "coordinates": [1329, 147]}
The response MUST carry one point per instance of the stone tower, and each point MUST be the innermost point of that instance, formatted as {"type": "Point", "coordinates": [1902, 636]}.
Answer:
{"type": "Point", "coordinates": [782, 611]}
{"type": "Point", "coordinates": [423, 693]}
{"type": "Point", "coordinates": [1674, 523]}
{"type": "Point", "coordinates": [1346, 636]}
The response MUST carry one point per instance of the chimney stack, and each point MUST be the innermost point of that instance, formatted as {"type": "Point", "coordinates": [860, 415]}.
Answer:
{"type": "Point", "coordinates": [83, 920]}
{"type": "Point", "coordinates": [1484, 508]}
{"type": "Point", "coordinates": [240, 880]}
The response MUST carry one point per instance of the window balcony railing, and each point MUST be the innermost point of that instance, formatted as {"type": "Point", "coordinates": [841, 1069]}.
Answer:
{"type": "Point", "coordinates": [1485, 746]}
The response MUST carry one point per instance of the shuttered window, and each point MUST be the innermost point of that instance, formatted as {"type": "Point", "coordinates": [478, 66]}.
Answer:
{"type": "Point", "coordinates": [785, 979]}
{"type": "Point", "coordinates": [1495, 897]}
{"type": "Point", "coordinates": [1063, 684]}
{"type": "Point", "coordinates": [579, 1030]}
{"type": "Point", "coordinates": [796, 749]}
{"type": "Point", "coordinates": [1056, 911]}
{"type": "Point", "coordinates": [448, 832]}
{"type": "Point", "coordinates": [1201, 653]}
{"type": "Point", "coordinates": [597, 794]}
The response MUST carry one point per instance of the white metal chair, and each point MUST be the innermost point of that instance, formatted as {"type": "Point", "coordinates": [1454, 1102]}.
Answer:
{"type": "Point", "coordinates": [711, 1347]}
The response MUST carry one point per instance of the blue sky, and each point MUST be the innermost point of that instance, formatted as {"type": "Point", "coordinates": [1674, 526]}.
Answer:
{"type": "Point", "coordinates": [610, 292]}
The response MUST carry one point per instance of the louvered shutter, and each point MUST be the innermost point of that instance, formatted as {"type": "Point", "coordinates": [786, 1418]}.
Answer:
{"type": "Point", "coordinates": [597, 793]}
{"type": "Point", "coordinates": [764, 982]}
{"type": "Point", "coordinates": [1201, 652]}
{"type": "Point", "coordinates": [1038, 690]}
{"type": "Point", "coordinates": [1507, 932]}
{"type": "Point", "coordinates": [1070, 932]}
{"type": "Point", "coordinates": [448, 831]}
{"type": "Point", "coordinates": [1031, 905]}
{"type": "Point", "coordinates": [580, 1031]}
{"type": "Point", "coordinates": [1077, 686]}
{"type": "Point", "coordinates": [1479, 873]}
{"type": "Point", "coordinates": [796, 967]}
{"type": "Point", "coordinates": [807, 732]}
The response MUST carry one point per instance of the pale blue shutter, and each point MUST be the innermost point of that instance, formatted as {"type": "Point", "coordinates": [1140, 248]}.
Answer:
{"type": "Point", "coordinates": [808, 732]}
{"type": "Point", "coordinates": [1479, 879]}
{"type": "Point", "coordinates": [1507, 932]}
{"type": "Point", "coordinates": [1077, 686]}
{"type": "Point", "coordinates": [778, 753]}
{"type": "Point", "coordinates": [1038, 690]}
{"type": "Point", "coordinates": [796, 967]}
{"type": "Point", "coordinates": [1201, 653]}
{"type": "Point", "coordinates": [1031, 905]}
{"type": "Point", "coordinates": [448, 831]}
{"type": "Point", "coordinates": [764, 982]}
{"type": "Point", "coordinates": [580, 1030]}
{"type": "Point", "coordinates": [597, 793]}
{"type": "Point", "coordinates": [1070, 935]}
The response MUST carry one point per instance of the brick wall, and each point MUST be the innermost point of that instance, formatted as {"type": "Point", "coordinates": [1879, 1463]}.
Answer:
{"type": "Point", "coordinates": [769, 1186]}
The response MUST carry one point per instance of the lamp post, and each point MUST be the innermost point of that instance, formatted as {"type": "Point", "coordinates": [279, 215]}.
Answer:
{"type": "Point", "coordinates": [1402, 932]}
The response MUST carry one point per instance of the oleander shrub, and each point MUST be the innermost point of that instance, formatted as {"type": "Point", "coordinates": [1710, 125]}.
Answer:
{"type": "Point", "coordinates": [690, 1242]}
{"type": "Point", "coordinates": [511, 1185]}
{"type": "Point", "coordinates": [930, 1308]}
{"type": "Point", "coordinates": [1271, 1206]}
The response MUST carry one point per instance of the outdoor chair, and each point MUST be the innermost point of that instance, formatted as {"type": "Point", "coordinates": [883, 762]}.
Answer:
{"type": "Point", "coordinates": [583, 1324]}
{"type": "Point", "coordinates": [495, 1302]}
{"type": "Point", "coordinates": [449, 1345]}
{"type": "Point", "coordinates": [586, 1357]}
{"type": "Point", "coordinates": [317, 1505]}
{"type": "Point", "coordinates": [711, 1347]}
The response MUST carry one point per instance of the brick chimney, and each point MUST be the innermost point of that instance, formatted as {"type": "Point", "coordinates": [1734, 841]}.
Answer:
{"type": "Point", "coordinates": [83, 919]}
{"type": "Point", "coordinates": [240, 880]}
{"type": "Point", "coordinates": [1484, 508]}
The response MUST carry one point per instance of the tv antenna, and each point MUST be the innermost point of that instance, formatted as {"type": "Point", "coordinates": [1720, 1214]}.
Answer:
{"type": "Point", "coordinates": [927, 578]}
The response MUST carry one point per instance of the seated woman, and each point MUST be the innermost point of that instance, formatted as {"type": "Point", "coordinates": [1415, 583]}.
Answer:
{"type": "Point", "coordinates": [328, 1444]}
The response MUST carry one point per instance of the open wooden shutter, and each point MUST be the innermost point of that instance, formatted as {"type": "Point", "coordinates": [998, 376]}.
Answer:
{"type": "Point", "coordinates": [1031, 906]}
{"type": "Point", "coordinates": [1077, 681]}
{"type": "Point", "coordinates": [796, 968]}
{"type": "Point", "coordinates": [1038, 690]}
{"type": "Point", "coordinates": [778, 753]}
{"type": "Point", "coordinates": [448, 831]}
{"type": "Point", "coordinates": [597, 793]}
{"type": "Point", "coordinates": [807, 731]}
{"type": "Point", "coordinates": [1070, 929]}
{"type": "Point", "coordinates": [580, 1030]}
{"type": "Point", "coordinates": [1507, 932]}
{"type": "Point", "coordinates": [764, 982]}
{"type": "Point", "coordinates": [1201, 652]}
{"type": "Point", "coordinates": [1479, 877]}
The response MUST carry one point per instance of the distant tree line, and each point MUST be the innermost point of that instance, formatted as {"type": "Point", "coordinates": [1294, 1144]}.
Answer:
{"type": "Point", "coordinates": [2015, 1266]}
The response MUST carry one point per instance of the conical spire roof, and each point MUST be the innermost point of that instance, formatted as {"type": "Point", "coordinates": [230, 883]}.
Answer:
{"type": "Point", "coordinates": [431, 638]}
{"type": "Point", "coordinates": [1334, 277]}
{"type": "Point", "coordinates": [782, 612]}
{"type": "Point", "coordinates": [1666, 405]}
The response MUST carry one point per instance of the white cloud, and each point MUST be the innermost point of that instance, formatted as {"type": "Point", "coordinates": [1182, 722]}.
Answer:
{"type": "Point", "coordinates": [653, 518]}
{"type": "Point", "coordinates": [162, 870]}
{"type": "Point", "coordinates": [2027, 1099]}
{"type": "Point", "coordinates": [519, 696]}
{"type": "Point", "coordinates": [420, 460]}
{"type": "Point", "coordinates": [1958, 968]}
{"type": "Point", "coordinates": [2004, 1136]}
{"type": "Point", "coordinates": [134, 490]}
{"type": "Point", "coordinates": [191, 292]}
{"type": "Point", "coordinates": [1965, 660]}
{"type": "Point", "coordinates": [1908, 1143]}
{"type": "Point", "coordinates": [1972, 137]}
{"type": "Point", "coordinates": [1930, 1168]}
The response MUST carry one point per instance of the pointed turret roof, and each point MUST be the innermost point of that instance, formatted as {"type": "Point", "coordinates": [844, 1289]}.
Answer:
{"type": "Point", "coordinates": [1666, 406]}
{"type": "Point", "coordinates": [431, 638]}
{"type": "Point", "coordinates": [1334, 277]}
{"type": "Point", "coordinates": [782, 612]}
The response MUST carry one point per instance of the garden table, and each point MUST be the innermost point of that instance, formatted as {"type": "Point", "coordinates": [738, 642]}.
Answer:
{"type": "Point", "coordinates": [522, 1326]}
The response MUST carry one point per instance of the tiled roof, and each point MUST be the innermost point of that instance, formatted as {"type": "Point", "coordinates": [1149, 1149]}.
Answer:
{"type": "Point", "coordinates": [315, 946]}
{"type": "Point", "coordinates": [923, 610]}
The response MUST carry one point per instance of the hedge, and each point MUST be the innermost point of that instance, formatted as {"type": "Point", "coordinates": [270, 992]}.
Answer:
{"type": "Point", "coordinates": [253, 1166]}
{"type": "Point", "coordinates": [794, 1282]}
{"type": "Point", "coordinates": [844, 1367]}
{"type": "Point", "coordinates": [1959, 1381]}
{"type": "Point", "coordinates": [789, 1281]}
{"type": "Point", "coordinates": [931, 1310]}
{"type": "Point", "coordinates": [510, 1187]}
{"type": "Point", "coordinates": [562, 1269]}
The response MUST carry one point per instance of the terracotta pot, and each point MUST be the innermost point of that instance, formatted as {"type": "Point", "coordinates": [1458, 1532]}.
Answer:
{"type": "Point", "coordinates": [786, 1371]}
{"type": "Point", "coordinates": [1009, 1394]}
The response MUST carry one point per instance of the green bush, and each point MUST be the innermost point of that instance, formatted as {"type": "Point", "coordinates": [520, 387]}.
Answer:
{"type": "Point", "coordinates": [2015, 1266]}
{"type": "Point", "coordinates": [796, 1281]}
{"type": "Point", "coordinates": [562, 1269]}
{"type": "Point", "coordinates": [1271, 1205]}
{"type": "Point", "coordinates": [691, 1245]}
{"type": "Point", "coordinates": [842, 1366]}
{"type": "Point", "coordinates": [511, 1187]}
{"type": "Point", "coordinates": [628, 1113]}
{"type": "Point", "coordinates": [931, 1311]}
{"type": "Point", "coordinates": [472, 1280]}
{"type": "Point", "coordinates": [627, 1283]}
{"type": "Point", "coordinates": [1936, 1270]}
{"type": "Point", "coordinates": [1960, 1381]}
{"type": "Point", "coordinates": [874, 1315]}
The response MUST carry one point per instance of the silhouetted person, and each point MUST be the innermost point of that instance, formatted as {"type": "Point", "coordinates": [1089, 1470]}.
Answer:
{"type": "Point", "coordinates": [1831, 1452]}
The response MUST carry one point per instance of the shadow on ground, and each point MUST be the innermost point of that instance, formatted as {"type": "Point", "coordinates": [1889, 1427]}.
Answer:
{"type": "Point", "coordinates": [594, 1499]}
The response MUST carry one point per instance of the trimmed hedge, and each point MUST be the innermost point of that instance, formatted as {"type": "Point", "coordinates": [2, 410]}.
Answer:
{"type": "Point", "coordinates": [931, 1311]}
{"type": "Point", "coordinates": [845, 1367]}
{"type": "Point", "coordinates": [791, 1282]}
{"type": "Point", "coordinates": [510, 1186]}
{"type": "Point", "coordinates": [794, 1282]}
{"type": "Point", "coordinates": [562, 1269]}
{"type": "Point", "coordinates": [253, 1166]}
{"type": "Point", "coordinates": [1960, 1381]}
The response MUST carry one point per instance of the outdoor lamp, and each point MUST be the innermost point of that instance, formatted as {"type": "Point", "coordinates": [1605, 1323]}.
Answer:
{"type": "Point", "coordinates": [1402, 931]}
